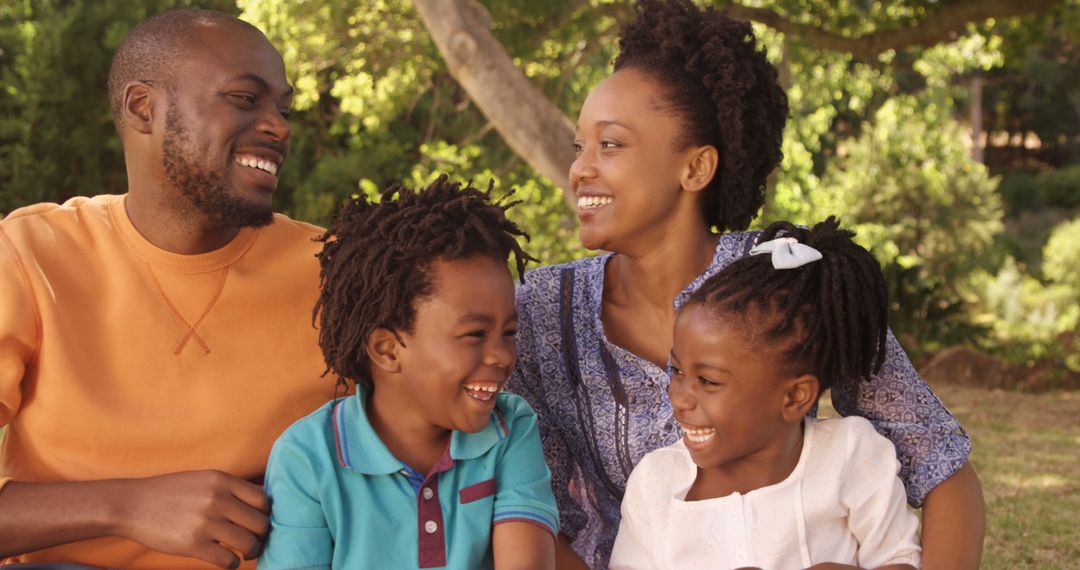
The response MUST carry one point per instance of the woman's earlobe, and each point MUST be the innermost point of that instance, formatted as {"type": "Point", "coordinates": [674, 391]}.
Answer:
{"type": "Point", "coordinates": [701, 168]}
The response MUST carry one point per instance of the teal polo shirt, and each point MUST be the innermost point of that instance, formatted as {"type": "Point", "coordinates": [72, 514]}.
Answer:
{"type": "Point", "coordinates": [340, 498]}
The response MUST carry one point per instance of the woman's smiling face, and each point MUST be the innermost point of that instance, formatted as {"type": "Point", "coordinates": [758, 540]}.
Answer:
{"type": "Point", "coordinates": [629, 166]}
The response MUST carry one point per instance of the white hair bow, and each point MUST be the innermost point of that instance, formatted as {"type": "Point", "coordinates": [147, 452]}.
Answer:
{"type": "Point", "coordinates": [787, 252]}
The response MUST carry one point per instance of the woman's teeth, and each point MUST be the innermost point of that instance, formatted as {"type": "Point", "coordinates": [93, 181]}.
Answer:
{"type": "Point", "coordinates": [252, 162]}
{"type": "Point", "coordinates": [587, 202]}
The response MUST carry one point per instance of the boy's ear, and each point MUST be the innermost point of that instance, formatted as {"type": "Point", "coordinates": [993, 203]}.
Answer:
{"type": "Point", "coordinates": [800, 395]}
{"type": "Point", "coordinates": [384, 350]}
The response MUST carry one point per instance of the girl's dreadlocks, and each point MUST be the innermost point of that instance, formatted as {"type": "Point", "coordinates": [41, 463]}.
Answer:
{"type": "Point", "coordinates": [377, 256]}
{"type": "Point", "coordinates": [828, 316]}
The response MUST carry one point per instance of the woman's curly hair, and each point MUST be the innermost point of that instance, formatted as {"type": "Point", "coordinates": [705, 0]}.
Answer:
{"type": "Point", "coordinates": [377, 256]}
{"type": "Point", "coordinates": [723, 89]}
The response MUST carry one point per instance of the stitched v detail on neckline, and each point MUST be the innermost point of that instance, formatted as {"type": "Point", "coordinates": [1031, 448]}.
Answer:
{"type": "Point", "coordinates": [192, 332]}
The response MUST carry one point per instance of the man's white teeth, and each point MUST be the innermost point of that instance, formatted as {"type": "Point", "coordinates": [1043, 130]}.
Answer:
{"type": "Point", "coordinates": [252, 162]}
{"type": "Point", "coordinates": [586, 202]}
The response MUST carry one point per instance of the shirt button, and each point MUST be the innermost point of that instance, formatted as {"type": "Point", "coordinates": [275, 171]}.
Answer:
{"type": "Point", "coordinates": [430, 527]}
{"type": "Point", "coordinates": [428, 493]}
{"type": "Point", "coordinates": [740, 556]}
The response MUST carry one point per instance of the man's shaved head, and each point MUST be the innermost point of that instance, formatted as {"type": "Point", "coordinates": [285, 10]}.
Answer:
{"type": "Point", "coordinates": [154, 49]}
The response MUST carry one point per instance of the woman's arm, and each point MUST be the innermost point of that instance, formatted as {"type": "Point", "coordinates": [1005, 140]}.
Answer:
{"type": "Point", "coordinates": [954, 522]}
{"type": "Point", "coordinates": [522, 546]}
{"type": "Point", "coordinates": [565, 557]}
{"type": "Point", "coordinates": [932, 448]}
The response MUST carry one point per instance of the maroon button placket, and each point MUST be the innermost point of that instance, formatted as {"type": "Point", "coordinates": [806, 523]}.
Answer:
{"type": "Point", "coordinates": [431, 532]}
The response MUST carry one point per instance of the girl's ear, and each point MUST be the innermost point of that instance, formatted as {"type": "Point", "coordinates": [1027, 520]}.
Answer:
{"type": "Point", "coordinates": [384, 349]}
{"type": "Point", "coordinates": [701, 168]}
{"type": "Point", "coordinates": [800, 395]}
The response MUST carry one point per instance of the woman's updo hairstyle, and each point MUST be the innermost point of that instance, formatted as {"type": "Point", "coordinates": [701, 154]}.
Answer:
{"type": "Point", "coordinates": [724, 91]}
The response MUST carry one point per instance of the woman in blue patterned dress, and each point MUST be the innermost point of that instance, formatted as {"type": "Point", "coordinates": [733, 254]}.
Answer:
{"type": "Point", "coordinates": [673, 150]}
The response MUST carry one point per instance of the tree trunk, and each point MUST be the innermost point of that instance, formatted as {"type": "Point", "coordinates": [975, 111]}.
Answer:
{"type": "Point", "coordinates": [533, 126]}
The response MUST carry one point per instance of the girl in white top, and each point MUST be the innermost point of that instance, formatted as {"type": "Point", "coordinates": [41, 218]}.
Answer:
{"type": "Point", "coordinates": [754, 482]}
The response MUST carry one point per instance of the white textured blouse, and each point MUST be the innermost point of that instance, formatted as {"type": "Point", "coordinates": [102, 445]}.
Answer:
{"type": "Point", "coordinates": [842, 503]}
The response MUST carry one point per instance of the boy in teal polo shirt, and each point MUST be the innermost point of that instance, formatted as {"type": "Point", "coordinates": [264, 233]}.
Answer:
{"type": "Point", "coordinates": [429, 465]}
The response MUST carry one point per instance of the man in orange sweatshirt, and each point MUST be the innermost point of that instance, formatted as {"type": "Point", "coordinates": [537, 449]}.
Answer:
{"type": "Point", "coordinates": [153, 345]}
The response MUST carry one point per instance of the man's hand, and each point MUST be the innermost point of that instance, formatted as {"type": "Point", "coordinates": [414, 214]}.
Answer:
{"type": "Point", "coordinates": [207, 515]}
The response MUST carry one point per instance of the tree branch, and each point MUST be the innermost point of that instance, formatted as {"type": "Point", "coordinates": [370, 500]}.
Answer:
{"type": "Point", "coordinates": [531, 125]}
{"type": "Point", "coordinates": [943, 25]}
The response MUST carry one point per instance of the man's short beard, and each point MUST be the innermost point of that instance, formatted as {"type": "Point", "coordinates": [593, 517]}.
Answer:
{"type": "Point", "coordinates": [206, 189]}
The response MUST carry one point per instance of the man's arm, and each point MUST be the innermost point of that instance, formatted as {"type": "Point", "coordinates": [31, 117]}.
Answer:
{"type": "Point", "coordinates": [199, 514]}
{"type": "Point", "coordinates": [954, 522]}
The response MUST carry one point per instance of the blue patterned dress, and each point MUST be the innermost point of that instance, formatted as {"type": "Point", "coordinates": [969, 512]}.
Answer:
{"type": "Point", "coordinates": [602, 408]}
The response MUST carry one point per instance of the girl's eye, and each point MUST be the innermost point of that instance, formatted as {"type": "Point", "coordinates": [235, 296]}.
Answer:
{"type": "Point", "coordinates": [706, 382]}
{"type": "Point", "coordinates": [476, 334]}
{"type": "Point", "coordinates": [285, 113]}
{"type": "Point", "coordinates": [609, 144]}
{"type": "Point", "coordinates": [577, 148]}
{"type": "Point", "coordinates": [510, 333]}
{"type": "Point", "coordinates": [675, 371]}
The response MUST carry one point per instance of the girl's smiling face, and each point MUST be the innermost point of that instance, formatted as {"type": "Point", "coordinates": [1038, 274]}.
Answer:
{"type": "Point", "coordinates": [460, 351]}
{"type": "Point", "coordinates": [728, 396]}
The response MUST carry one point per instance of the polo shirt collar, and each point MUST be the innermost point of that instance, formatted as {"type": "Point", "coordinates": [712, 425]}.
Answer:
{"type": "Point", "coordinates": [360, 449]}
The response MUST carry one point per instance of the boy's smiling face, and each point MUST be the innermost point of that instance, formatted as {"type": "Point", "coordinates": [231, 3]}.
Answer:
{"type": "Point", "coordinates": [460, 352]}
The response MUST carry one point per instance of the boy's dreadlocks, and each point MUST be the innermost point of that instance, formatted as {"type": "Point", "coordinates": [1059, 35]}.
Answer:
{"type": "Point", "coordinates": [377, 256]}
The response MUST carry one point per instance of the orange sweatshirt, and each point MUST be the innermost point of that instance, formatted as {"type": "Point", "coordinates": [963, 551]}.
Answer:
{"type": "Point", "coordinates": [119, 359]}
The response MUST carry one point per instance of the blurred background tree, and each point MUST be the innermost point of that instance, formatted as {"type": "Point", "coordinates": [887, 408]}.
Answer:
{"type": "Point", "coordinates": [947, 132]}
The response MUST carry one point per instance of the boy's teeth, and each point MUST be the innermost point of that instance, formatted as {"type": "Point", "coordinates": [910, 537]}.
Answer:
{"type": "Point", "coordinates": [586, 202]}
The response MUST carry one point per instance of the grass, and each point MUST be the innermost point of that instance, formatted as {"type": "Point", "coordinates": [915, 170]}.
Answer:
{"type": "Point", "coordinates": [1026, 450]}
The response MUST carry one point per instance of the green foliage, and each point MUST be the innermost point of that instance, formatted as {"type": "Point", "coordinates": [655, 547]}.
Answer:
{"type": "Point", "coordinates": [1061, 257]}
{"type": "Point", "coordinates": [925, 209]}
{"type": "Point", "coordinates": [57, 138]}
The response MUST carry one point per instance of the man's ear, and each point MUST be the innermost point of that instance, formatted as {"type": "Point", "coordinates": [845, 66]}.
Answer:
{"type": "Point", "coordinates": [701, 168]}
{"type": "Point", "coordinates": [800, 395]}
{"type": "Point", "coordinates": [384, 349]}
{"type": "Point", "coordinates": [138, 106]}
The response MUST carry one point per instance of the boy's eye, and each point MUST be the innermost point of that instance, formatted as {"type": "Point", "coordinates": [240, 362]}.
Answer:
{"type": "Point", "coordinates": [609, 144]}
{"type": "Point", "coordinates": [706, 382]}
{"type": "Point", "coordinates": [675, 371]}
{"type": "Point", "coordinates": [577, 148]}
{"type": "Point", "coordinates": [510, 333]}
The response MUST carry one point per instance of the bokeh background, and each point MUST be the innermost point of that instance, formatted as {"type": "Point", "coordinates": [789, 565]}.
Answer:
{"type": "Point", "coordinates": [947, 132]}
